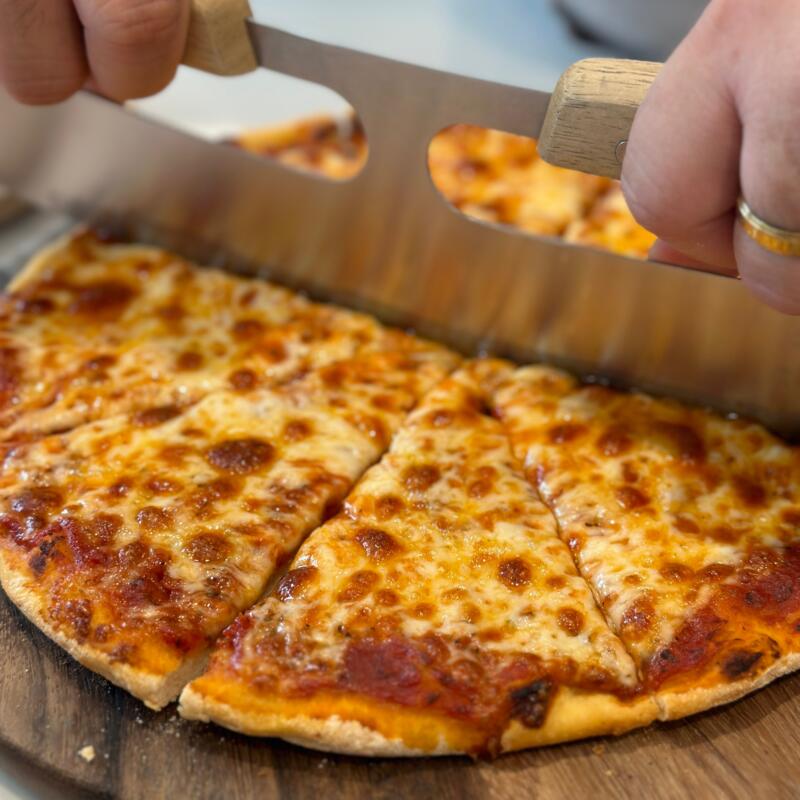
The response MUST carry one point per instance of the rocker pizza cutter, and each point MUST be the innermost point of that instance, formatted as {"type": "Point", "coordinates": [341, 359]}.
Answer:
{"type": "Point", "coordinates": [386, 241]}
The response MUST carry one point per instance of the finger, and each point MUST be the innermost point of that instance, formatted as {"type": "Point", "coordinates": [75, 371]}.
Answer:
{"type": "Point", "coordinates": [770, 169]}
{"type": "Point", "coordinates": [133, 46]}
{"type": "Point", "coordinates": [666, 254]}
{"type": "Point", "coordinates": [41, 50]}
{"type": "Point", "coordinates": [770, 276]}
{"type": "Point", "coordinates": [681, 168]}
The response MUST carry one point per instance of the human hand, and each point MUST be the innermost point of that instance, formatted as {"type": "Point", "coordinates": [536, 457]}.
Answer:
{"type": "Point", "coordinates": [723, 119]}
{"type": "Point", "coordinates": [121, 48]}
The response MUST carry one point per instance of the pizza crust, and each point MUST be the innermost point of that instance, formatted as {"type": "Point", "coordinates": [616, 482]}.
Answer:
{"type": "Point", "coordinates": [328, 723]}
{"type": "Point", "coordinates": [693, 700]}
{"type": "Point", "coordinates": [43, 257]}
{"type": "Point", "coordinates": [329, 734]}
{"type": "Point", "coordinates": [36, 264]}
{"type": "Point", "coordinates": [156, 691]}
{"type": "Point", "coordinates": [579, 715]}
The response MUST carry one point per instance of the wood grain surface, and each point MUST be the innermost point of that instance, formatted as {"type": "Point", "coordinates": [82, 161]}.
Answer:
{"type": "Point", "coordinates": [50, 707]}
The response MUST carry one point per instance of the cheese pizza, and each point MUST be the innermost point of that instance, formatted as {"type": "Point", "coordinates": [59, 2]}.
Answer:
{"type": "Point", "coordinates": [336, 147]}
{"type": "Point", "coordinates": [134, 539]}
{"type": "Point", "coordinates": [685, 524]}
{"type": "Point", "coordinates": [610, 225]}
{"type": "Point", "coordinates": [91, 329]}
{"type": "Point", "coordinates": [437, 612]}
{"type": "Point", "coordinates": [490, 557]}
{"type": "Point", "coordinates": [441, 612]}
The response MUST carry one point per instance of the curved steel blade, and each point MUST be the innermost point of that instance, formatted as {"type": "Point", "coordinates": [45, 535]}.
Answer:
{"type": "Point", "coordinates": [388, 242]}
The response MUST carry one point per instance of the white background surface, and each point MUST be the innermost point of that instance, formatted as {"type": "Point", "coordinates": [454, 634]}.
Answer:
{"type": "Point", "coordinates": [517, 41]}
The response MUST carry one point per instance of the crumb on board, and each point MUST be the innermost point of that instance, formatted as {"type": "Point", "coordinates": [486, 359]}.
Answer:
{"type": "Point", "coordinates": [598, 749]}
{"type": "Point", "coordinates": [87, 753]}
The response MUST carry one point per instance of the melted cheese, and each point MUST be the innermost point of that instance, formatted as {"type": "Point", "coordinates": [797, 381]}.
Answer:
{"type": "Point", "coordinates": [660, 503]}
{"type": "Point", "coordinates": [144, 533]}
{"type": "Point", "coordinates": [95, 330]}
{"type": "Point", "coordinates": [336, 148]}
{"type": "Point", "coordinates": [442, 545]}
{"type": "Point", "coordinates": [499, 177]}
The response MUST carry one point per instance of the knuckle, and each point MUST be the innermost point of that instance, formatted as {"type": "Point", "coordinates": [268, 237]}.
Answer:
{"type": "Point", "coordinates": [138, 23]}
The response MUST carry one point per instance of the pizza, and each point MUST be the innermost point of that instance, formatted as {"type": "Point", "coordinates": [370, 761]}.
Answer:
{"type": "Point", "coordinates": [685, 524]}
{"type": "Point", "coordinates": [135, 538]}
{"type": "Point", "coordinates": [307, 524]}
{"type": "Point", "coordinates": [498, 177]}
{"type": "Point", "coordinates": [445, 610]}
{"type": "Point", "coordinates": [90, 329]}
{"type": "Point", "coordinates": [487, 174]}
{"type": "Point", "coordinates": [437, 612]}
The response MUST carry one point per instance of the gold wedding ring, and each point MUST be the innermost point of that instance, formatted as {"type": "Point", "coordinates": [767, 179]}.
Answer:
{"type": "Point", "coordinates": [770, 237]}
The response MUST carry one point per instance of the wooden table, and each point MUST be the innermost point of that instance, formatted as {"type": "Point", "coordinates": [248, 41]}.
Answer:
{"type": "Point", "coordinates": [50, 707]}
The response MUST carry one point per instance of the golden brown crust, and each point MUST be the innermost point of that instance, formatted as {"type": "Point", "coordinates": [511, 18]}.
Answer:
{"type": "Point", "coordinates": [366, 727]}
{"type": "Point", "coordinates": [579, 715]}
{"type": "Point", "coordinates": [330, 734]}
{"type": "Point", "coordinates": [43, 258]}
{"type": "Point", "coordinates": [676, 704]}
{"type": "Point", "coordinates": [155, 690]}
{"type": "Point", "coordinates": [37, 263]}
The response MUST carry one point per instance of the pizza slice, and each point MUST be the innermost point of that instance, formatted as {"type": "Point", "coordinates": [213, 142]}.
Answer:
{"type": "Point", "coordinates": [90, 330]}
{"type": "Point", "coordinates": [82, 289]}
{"type": "Point", "coordinates": [438, 612]}
{"type": "Point", "coordinates": [134, 540]}
{"type": "Point", "coordinates": [685, 523]}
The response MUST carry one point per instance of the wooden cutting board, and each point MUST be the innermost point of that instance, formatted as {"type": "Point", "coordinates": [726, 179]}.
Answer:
{"type": "Point", "coordinates": [50, 707]}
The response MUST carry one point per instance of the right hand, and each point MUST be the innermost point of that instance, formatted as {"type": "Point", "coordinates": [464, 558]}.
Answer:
{"type": "Point", "coordinates": [49, 49]}
{"type": "Point", "coordinates": [723, 118]}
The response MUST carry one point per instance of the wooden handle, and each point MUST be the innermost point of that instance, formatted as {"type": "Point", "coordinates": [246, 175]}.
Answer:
{"type": "Point", "coordinates": [218, 41]}
{"type": "Point", "coordinates": [591, 114]}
